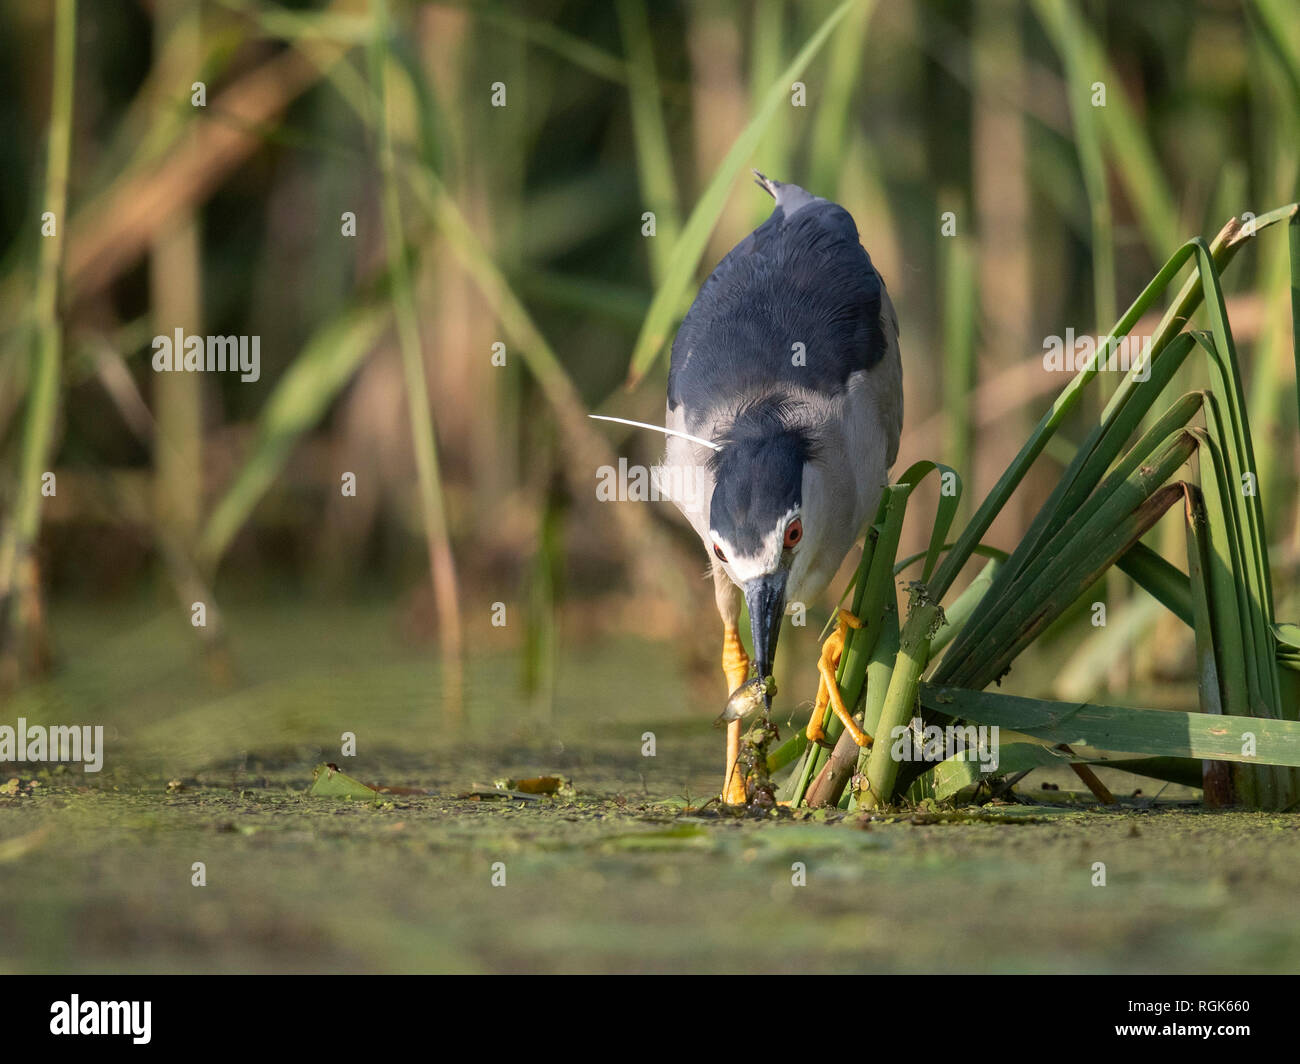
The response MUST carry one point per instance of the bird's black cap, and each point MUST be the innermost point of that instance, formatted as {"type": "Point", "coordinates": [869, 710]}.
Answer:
{"type": "Point", "coordinates": [758, 472]}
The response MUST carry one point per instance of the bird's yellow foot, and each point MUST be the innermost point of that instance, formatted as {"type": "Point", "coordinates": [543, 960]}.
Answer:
{"type": "Point", "coordinates": [735, 664]}
{"type": "Point", "coordinates": [828, 691]}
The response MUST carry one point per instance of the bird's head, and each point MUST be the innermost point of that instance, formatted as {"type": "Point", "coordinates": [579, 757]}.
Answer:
{"type": "Point", "coordinates": [756, 516]}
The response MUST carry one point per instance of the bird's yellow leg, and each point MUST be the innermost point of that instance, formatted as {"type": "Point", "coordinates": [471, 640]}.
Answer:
{"type": "Point", "coordinates": [735, 664]}
{"type": "Point", "coordinates": [828, 691]}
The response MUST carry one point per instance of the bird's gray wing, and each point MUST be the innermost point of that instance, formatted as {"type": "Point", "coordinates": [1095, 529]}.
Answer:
{"type": "Point", "coordinates": [889, 379]}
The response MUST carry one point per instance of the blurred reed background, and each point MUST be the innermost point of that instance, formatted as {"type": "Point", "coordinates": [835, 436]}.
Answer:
{"type": "Point", "coordinates": [522, 225]}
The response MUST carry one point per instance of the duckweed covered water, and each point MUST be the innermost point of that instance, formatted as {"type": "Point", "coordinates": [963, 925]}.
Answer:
{"type": "Point", "coordinates": [632, 873]}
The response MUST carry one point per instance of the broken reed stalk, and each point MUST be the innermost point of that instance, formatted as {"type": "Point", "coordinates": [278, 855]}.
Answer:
{"type": "Point", "coordinates": [873, 591]}
{"type": "Point", "coordinates": [847, 758]}
{"type": "Point", "coordinates": [875, 604]}
{"type": "Point", "coordinates": [923, 619]}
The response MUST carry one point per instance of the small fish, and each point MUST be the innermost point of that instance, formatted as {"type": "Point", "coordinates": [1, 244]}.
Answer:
{"type": "Point", "coordinates": [745, 699]}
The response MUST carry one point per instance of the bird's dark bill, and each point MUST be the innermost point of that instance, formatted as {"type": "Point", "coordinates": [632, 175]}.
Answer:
{"type": "Point", "coordinates": [765, 597]}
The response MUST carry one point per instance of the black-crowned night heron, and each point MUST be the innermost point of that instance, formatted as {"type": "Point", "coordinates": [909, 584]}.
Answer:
{"type": "Point", "coordinates": [785, 394]}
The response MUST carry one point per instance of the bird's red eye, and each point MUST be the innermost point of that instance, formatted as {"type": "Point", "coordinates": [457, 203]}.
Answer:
{"type": "Point", "coordinates": [718, 551]}
{"type": "Point", "coordinates": [793, 533]}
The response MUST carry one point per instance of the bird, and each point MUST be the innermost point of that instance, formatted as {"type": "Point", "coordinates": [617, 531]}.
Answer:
{"type": "Point", "coordinates": [785, 406]}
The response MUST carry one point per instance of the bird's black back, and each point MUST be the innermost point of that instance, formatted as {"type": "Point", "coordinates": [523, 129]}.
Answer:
{"type": "Point", "coordinates": [798, 279]}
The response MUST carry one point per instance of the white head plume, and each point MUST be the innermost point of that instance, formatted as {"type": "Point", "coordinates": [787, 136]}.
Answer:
{"type": "Point", "coordinates": [660, 428]}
